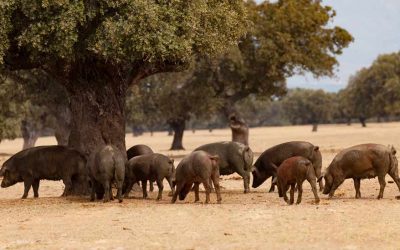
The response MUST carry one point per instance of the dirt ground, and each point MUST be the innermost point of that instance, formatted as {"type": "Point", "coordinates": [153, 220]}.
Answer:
{"type": "Point", "coordinates": [258, 220]}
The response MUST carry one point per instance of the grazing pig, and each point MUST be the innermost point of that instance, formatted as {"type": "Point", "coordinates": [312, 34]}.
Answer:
{"type": "Point", "coordinates": [152, 167]}
{"type": "Point", "coordinates": [233, 157]}
{"type": "Point", "coordinates": [267, 164]}
{"type": "Point", "coordinates": [107, 165]}
{"type": "Point", "coordinates": [140, 149]}
{"type": "Point", "coordinates": [292, 171]}
{"type": "Point", "coordinates": [44, 163]}
{"type": "Point", "coordinates": [360, 162]}
{"type": "Point", "coordinates": [197, 167]}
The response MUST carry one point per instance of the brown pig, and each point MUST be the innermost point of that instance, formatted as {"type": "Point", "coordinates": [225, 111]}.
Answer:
{"type": "Point", "coordinates": [360, 162]}
{"type": "Point", "coordinates": [292, 171]}
{"type": "Point", "coordinates": [197, 167]}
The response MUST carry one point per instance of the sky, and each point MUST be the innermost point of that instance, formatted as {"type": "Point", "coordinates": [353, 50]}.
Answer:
{"type": "Point", "coordinates": [375, 26]}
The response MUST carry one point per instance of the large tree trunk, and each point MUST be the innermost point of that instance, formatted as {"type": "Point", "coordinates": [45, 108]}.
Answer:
{"type": "Point", "coordinates": [98, 119]}
{"type": "Point", "coordinates": [29, 133]}
{"type": "Point", "coordinates": [179, 128]}
{"type": "Point", "coordinates": [240, 130]}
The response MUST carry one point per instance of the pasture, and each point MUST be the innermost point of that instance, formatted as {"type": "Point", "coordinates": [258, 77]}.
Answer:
{"type": "Point", "coordinates": [258, 220]}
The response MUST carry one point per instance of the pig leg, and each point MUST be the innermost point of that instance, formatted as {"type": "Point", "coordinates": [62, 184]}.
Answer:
{"type": "Point", "coordinates": [93, 193]}
{"type": "Point", "coordinates": [285, 188]}
{"type": "Point", "coordinates": [119, 190]}
{"type": "Point", "coordinates": [300, 191]}
{"type": "Point", "coordinates": [178, 189]}
{"type": "Point", "coordinates": [160, 186]}
{"type": "Point", "coordinates": [35, 186]}
{"type": "Point", "coordinates": [27, 186]}
{"type": "Point", "coordinates": [313, 184]}
{"type": "Point", "coordinates": [144, 189]}
{"type": "Point", "coordinates": [151, 186]}
{"type": "Point", "coordinates": [68, 186]}
{"type": "Point", "coordinates": [215, 180]}
{"type": "Point", "coordinates": [382, 184]}
{"type": "Point", "coordinates": [396, 179]}
{"type": "Point", "coordinates": [128, 188]}
{"type": "Point", "coordinates": [171, 186]}
{"type": "Point", "coordinates": [206, 184]}
{"type": "Point", "coordinates": [196, 191]}
{"type": "Point", "coordinates": [273, 183]}
{"type": "Point", "coordinates": [357, 184]}
{"type": "Point", "coordinates": [292, 187]}
{"type": "Point", "coordinates": [106, 186]}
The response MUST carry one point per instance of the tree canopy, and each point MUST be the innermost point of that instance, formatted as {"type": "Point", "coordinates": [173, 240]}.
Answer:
{"type": "Point", "coordinates": [286, 37]}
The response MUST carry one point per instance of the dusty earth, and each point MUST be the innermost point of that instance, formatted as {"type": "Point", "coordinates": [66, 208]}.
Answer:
{"type": "Point", "coordinates": [258, 220]}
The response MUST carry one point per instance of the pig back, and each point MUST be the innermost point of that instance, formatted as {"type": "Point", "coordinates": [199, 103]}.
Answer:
{"type": "Point", "coordinates": [139, 149]}
{"type": "Point", "coordinates": [233, 156]}
{"type": "Point", "coordinates": [49, 162]}
{"type": "Point", "coordinates": [362, 161]}
{"type": "Point", "coordinates": [277, 154]}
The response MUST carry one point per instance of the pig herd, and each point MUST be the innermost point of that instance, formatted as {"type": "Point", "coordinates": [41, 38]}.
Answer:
{"type": "Point", "coordinates": [288, 164]}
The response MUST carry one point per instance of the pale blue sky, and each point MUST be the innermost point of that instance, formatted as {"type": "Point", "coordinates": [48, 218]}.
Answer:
{"type": "Point", "coordinates": [375, 26]}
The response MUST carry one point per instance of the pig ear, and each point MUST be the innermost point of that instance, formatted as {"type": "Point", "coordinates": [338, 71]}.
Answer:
{"type": "Point", "coordinates": [214, 157]}
{"type": "Point", "coordinates": [3, 170]}
{"type": "Point", "coordinates": [393, 150]}
{"type": "Point", "coordinates": [316, 148]}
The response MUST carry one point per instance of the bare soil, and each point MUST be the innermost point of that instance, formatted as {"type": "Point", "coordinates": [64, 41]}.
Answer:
{"type": "Point", "coordinates": [258, 220]}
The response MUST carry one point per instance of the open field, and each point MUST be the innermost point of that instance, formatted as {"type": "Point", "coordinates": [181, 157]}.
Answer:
{"type": "Point", "coordinates": [258, 220]}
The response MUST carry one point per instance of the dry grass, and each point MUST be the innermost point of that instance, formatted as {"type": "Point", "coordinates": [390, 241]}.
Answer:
{"type": "Point", "coordinates": [257, 220]}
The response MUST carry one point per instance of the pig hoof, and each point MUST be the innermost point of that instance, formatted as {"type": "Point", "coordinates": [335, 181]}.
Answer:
{"type": "Point", "coordinates": [120, 200]}
{"type": "Point", "coordinates": [219, 202]}
{"type": "Point", "coordinates": [246, 191]}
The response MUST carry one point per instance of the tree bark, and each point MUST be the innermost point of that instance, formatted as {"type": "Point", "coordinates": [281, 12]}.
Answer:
{"type": "Point", "coordinates": [315, 127]}
{"type": "Point", "coordinates": [136, 131]}
{"type": "Point", "coordinates": [29, 133]}
{"type": "Point", "coordinates": [348, 121]}
{"type": "Point", "coordinates": [178, 127]}
{"type": "Point", "coordinates": [362, 121]}
{"type": "Point", "coordinates": [240, 130]}
{"type": "Point", "coordinates": [97, 119]}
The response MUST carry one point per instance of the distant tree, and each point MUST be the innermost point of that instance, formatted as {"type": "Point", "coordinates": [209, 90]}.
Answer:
{"type": "Point", "coordinates": [306, 106]}
{"type": "Point", "coordinates": [179, 99]}
{"type": "Point", "coordinates": [342, 112]}
{"type": "Point", "coordinates": [375, 91]}
{"type": "Point", "coordinates": [11, 109]}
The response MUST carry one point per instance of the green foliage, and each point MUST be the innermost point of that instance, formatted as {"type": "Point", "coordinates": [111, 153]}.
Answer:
{"type": "Point", "coordinates": [307, 106]}
{"type": "Point", "coordinates": [122, 32]}
{"type": "Point", "coordinates": [169, 97]}
{"type": "Point", "coordinates": [5, 26]}
{"type": "Point", "coordinates": [11, 109]}
{"type": "Point", "coordinates": [30, 96]}
{"type": "Point", "coordinates": [287, 37]}
{"type": "Point", "coordinates": [375, 91]}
